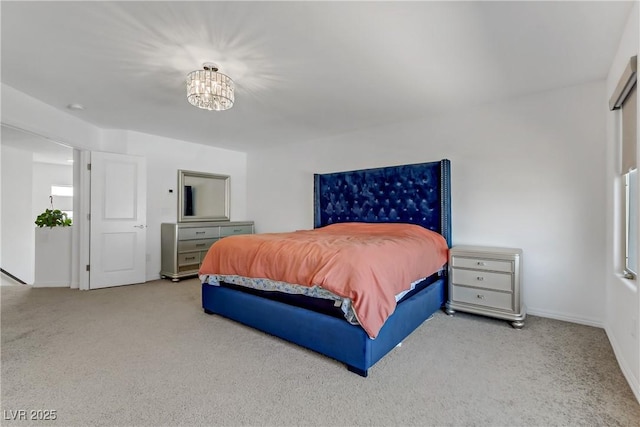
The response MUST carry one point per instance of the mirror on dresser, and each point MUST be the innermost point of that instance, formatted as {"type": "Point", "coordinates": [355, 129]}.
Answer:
{"type": "Point", "coordinates": [202, 196]}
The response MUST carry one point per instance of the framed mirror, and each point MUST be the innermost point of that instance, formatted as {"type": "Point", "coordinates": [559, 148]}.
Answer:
{"type": "Point", "coordinates": [202, 196]}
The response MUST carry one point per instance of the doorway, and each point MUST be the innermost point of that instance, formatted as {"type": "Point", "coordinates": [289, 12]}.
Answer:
{"type": "Point", "coordinates": [33, 168]}
{"type": "Point", "coordinates": [37, 174]}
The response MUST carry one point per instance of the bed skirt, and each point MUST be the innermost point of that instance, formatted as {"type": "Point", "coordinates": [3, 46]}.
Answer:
{"type": "Point", "coordinates": [328, 335]}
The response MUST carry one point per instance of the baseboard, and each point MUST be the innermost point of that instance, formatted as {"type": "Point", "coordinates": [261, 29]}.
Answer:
{"type": "Point", "coordinates": [564, 317]}
{"type": "Point", "coordinates": [51, 285]}
{"type": "Point", "coordinates": [626, 371]}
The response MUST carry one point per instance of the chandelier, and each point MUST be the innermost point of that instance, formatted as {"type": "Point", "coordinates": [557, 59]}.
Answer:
{"type": "Point", "coordinates": [210, 90]}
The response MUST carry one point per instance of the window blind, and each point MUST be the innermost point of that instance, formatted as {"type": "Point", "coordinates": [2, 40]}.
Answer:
{"type": "Point", "coordinates": [629, 132]}
{"type": "Point", "coordinates": [624, 98]}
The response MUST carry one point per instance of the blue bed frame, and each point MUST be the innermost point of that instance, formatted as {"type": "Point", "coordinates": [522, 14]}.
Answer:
{"type": "Point", "coordinates": [417, 194]}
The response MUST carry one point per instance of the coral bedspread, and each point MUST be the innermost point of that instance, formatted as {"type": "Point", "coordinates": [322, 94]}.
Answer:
{"type": "Point", "coordinates": [367, 263]}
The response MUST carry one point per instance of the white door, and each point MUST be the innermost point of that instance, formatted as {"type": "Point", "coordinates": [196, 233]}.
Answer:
{"type": "Point", "coordinates": [118, 220]}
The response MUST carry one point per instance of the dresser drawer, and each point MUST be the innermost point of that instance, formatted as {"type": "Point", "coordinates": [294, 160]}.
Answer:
{"type": "Point", "coordinates": [482, 264]}
{"type": "Point", "coordinates": [195, 245]}
{"type": "Point", "coordinates": [189, 258]}
{"type": "Point", "coordinates": [481, 297]}
{"type": "Point", "coordinates": [198, 233]}
{"type": "Point", "coordinates": [238, 229]}
{"type": "Point", "coordinates": [482, 279]}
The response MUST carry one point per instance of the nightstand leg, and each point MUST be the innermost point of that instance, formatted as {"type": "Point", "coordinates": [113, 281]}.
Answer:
{"type": "Point", "coordinates": [517, 324]}
{"type": "Point", "coordinates": [450, 311]}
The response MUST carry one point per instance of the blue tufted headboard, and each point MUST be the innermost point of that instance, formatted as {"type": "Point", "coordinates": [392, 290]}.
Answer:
{"type": "Point", "coordinates": [416, 194]}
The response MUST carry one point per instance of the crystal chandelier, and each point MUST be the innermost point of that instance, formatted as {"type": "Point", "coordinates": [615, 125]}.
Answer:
{"type": "Point", "coordinates": [210, 90]}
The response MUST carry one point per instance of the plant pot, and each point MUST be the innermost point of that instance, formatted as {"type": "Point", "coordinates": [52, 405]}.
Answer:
{"type": "Point", "coordinates": [53, 257]}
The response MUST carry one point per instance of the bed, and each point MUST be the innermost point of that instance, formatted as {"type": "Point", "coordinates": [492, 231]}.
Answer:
{"type": "Point", "coordinates": [415, 195]}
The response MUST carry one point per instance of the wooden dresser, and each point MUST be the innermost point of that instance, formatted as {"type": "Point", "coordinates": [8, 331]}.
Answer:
{"type": "Point", "coordinates": [486, 280]}
{"type": "Point", "coordinates": [184, 245]}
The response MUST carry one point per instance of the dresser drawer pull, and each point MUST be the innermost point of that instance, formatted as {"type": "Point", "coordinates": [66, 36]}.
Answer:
{"type": "Point", "coordinates": [189, 258]}
{"type": "Point", "coordinates": [481, 263]}
{"type": "Point", "coordinates": [479, 278]}
{"type": "Point", "coordinates": [237, 230]}
{"type": "Point", "coordinates": [199, 245]}
{"type": "Point", "coordinates": [480, 296]}
{"type": "Point", "coordinates": [200, 232]}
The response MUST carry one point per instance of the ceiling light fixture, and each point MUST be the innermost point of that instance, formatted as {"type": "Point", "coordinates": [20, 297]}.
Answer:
{"type": "Point", "coordinates": [210, 90]}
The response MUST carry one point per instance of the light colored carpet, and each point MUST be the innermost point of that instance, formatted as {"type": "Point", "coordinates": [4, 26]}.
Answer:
{"type": "Point", "coordinates": [148, 355]}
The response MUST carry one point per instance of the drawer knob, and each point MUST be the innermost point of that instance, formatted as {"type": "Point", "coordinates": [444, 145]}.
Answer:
{"type": "Point", "coordinates": [481, 263]}
{"type": "Point", "coordinates": [200, 232]}
{"type": "Point", "coordinates": [479, 278]}
{"type": "Point", "coordinates": [480, 296]}
{"type": "Point", "coordinates": [190, 257]}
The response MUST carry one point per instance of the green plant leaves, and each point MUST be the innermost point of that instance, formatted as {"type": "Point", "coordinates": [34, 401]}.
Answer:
{"type": "Point", "coordinates": [53, 218]}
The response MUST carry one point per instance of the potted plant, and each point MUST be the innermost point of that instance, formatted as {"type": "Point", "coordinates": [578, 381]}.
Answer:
{"type": "Point", "coordinates": [53, 218]}
{"type": "Point", "coordinates": [53, 248]}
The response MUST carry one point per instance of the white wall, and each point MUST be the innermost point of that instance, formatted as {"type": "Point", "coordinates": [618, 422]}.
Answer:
{"type": "Point", "coordinates": [526, 173]}
{"type": "Point", "coordinates": [17, 227]}
{"type": "Point", "coordinates": [622, 297]}
{"type": "Point", "coordinates": [44, 176]}
{"type": "Point", "coordinates": [25, 112]}
{"type": "Point", "coordinates": [164, 157]}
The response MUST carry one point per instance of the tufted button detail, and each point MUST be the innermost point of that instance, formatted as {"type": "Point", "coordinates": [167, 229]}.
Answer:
{"type": "Point", "coordinates": [398, 193]}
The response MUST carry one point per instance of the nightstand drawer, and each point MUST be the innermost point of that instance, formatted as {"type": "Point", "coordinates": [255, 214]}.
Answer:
{"type": "Point", "coordinates": [482, 264]}
{"type": "Point", "coordinates": [482, 279]}
{"type": "Point", "coordinates": [481, 297]}
{"type": "Point", "coordinates": [195, 245]}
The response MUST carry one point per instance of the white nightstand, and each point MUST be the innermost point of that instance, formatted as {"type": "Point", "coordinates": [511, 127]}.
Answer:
{"type": "Point", "coordinates": [486, 280]}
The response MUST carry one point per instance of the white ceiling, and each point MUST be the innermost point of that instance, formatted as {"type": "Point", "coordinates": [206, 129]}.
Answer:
{"type": "Point", "coordinates": [303, 70]}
